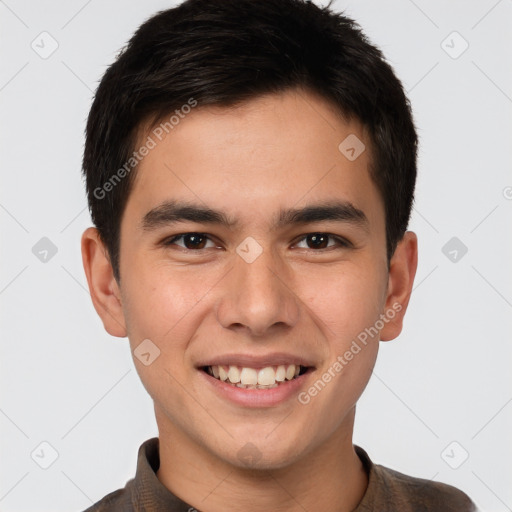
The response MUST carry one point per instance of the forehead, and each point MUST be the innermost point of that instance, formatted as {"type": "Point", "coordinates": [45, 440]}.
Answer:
{"type": "Point", "coordinates": [272, 152]}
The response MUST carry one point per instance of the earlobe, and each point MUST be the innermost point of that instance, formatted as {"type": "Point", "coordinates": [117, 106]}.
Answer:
{"type": "Point", "coordinates": [104, 290]}
{"type": "Point", "coordinates": [401, 279]}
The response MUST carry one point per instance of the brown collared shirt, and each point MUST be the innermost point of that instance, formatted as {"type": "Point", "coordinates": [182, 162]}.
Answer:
{"type": "Point", "coordinates": [387, 491]}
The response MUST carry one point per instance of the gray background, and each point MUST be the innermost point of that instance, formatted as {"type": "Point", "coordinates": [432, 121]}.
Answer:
{"type": "Point", "coordinates": [440, 392]}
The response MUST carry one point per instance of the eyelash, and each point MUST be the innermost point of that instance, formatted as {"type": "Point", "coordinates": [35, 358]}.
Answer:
{"type": "Point", "coordinates": [341, 241]}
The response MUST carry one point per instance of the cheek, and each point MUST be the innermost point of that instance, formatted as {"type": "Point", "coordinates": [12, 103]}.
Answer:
{"type": "Point", "coordinates": [158, 305]}
{"type": "Point", "coordinates": [162, 308]}
{"type": "Point", "coordinates": [345, 301]}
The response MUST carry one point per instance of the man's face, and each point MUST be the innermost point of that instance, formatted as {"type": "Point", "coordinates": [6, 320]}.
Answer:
{"type": "Point", "coordinates": [261, 292]}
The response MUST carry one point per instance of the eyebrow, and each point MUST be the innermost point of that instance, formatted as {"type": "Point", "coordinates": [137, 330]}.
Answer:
{"type": "Point", "coordinates": [172, 212]}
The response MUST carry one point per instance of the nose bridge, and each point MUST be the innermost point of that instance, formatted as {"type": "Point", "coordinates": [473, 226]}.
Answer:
{"type": "Point", "coordinates": [257, 296]}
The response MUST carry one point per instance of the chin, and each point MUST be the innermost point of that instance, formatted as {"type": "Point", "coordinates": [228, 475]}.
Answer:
{"type": "Point", "coordinates": [262, 455]}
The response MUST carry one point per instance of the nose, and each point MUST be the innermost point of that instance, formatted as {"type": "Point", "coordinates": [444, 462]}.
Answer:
{"type": "Point", "coordinates": [257, 297]}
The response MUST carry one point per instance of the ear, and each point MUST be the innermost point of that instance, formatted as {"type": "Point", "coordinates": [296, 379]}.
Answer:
{"type": "Point", "coordinates": [402, 270]}
{"type": "Point", "coordinates": [103, 287]}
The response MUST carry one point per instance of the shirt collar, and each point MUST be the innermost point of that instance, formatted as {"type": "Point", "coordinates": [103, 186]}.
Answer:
{"type": "Point", "coordinates": [149, 494]}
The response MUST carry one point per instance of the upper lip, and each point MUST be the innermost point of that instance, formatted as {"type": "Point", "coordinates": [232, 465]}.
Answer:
{"type": "Point", "coordinates": [256, 361]}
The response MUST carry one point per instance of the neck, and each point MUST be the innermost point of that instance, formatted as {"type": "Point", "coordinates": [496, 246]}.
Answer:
{"type": "Point", "coordinates": [330, 477]}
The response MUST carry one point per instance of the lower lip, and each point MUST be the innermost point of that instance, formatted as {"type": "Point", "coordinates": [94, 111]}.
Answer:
{"type": "Point", "coordinates": [257, 397]}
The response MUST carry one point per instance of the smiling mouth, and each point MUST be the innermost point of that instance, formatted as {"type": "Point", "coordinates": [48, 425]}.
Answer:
{"type": "Point", "coordinates": [251, 378]}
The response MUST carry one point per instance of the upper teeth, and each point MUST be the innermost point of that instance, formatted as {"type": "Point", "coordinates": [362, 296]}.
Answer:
{"type": "Point", "coordinates": [250, 376]}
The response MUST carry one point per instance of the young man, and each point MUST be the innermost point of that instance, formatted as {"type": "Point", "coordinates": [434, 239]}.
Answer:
{"type": "Point", "coordinates": [250, 171]}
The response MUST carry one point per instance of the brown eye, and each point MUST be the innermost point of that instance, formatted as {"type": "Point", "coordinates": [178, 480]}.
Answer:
{"type": "Point", "coordinates": [192, 241]}
{"type": "Point", "coordinates": [321, 241]}
{"type": "Point", "coordinates": [318, 240]}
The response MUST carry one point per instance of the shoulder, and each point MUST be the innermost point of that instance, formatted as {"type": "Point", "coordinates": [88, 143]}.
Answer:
{"type": "Point", "coordinates": [137, 490]}
{"type": "Point", "coordinates": [394, 491]}
{"type": "Point", "coordinates": [425, 494]}
{"type": "Point", "coordinates": [145, 491]}
{"type": "Point", "coordinates": [119, 500]}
